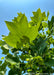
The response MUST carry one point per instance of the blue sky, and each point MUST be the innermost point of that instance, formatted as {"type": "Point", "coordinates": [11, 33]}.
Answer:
{"type": "Point", "coordinates": [9, 9]}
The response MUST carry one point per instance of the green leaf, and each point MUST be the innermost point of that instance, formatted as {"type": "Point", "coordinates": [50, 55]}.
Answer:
{"type": "Point", "coordinates": [6, 46]}
{"type": "Point", "coordinates": [14, 71]}
{"type": "Point", "coordinates": [47, 13]}
{"type": "Point", "coordinates": [20, 29]}
{"type": "Point", "coordinates": [2, 73]}
{"type": "Point", "coordinates": [29, 70]}
{"type": "Point", "coordinates": [50, 62]}
{"type": "Point", "coordinates": [44, 24]}
{"type": "Point", "coordinates": [2, 58]}
{"type": "Point", "coordinates": [4, 51]}
{"type": "Point", "coordinates": [12, 60]}
{"type": "Point", "coordinates": [2, 43]}
{"type": "Point", "coordinates": [0, 62]}
{"type": "Point", "coordinates": [51, 25]}
{"type": "Point", "coordinates": [43, 46]}
{"type": "Point", "coordinates": [3, 68]}
{"type": "Point", "coordinates": [38, 17]}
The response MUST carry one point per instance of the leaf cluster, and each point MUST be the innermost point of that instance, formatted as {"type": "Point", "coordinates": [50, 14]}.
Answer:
{"type": "Point", "coordinates": [29, 43]}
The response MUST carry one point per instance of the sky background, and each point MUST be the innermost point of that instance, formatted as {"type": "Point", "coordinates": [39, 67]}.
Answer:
{"type": "Point", "coordinates": [9, 9]}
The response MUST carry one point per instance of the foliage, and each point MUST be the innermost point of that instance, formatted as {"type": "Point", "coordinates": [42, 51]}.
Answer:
{"type": "Point", "coordinates": [29, 43]}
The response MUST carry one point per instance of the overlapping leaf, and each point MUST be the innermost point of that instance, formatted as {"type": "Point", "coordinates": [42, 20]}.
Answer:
{"type": "Point", "coordinates": [19, 29]}
{"type": "Point", "coordinates": [4, 44]}
{"type": "Point", "coordinates": [39, 17]}
{"type": "Point", "coordinates": [50, 62]}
